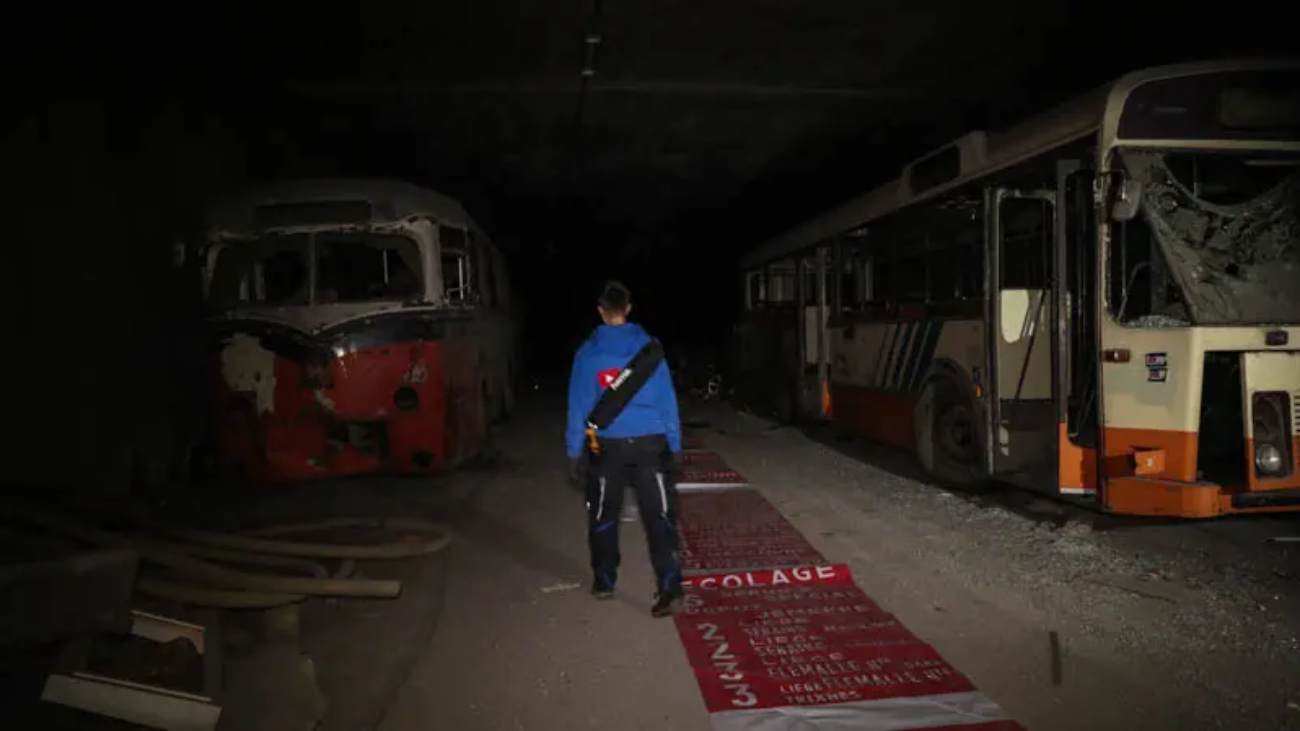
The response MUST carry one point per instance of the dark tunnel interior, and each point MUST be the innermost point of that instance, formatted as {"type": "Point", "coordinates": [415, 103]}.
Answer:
{"type": "Point", "coordinates": [651, 142]}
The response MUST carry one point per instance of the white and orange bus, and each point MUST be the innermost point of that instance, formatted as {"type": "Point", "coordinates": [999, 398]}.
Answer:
{"type": "Point", "coordinates": [1101, 303]}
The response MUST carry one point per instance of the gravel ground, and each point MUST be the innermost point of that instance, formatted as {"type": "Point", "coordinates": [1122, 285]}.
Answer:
{"type": "Point", "coordinates": [1161, 625]}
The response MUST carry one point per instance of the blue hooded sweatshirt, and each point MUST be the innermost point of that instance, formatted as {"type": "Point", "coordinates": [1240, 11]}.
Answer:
{"type": "Point", "coordinates": [653, 410]}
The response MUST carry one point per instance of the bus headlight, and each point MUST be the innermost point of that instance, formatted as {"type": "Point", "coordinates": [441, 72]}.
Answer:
{"type": "Point", "coordinates": [1272, 433]}
{"type": "Point", "coordinates": [1268, 460]}
{"type": "Point", "coordinates": [406, 399]}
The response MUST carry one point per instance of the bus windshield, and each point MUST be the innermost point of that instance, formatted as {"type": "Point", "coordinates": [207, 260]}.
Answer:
{"type": "Point", "coordinates": [1228, 226]}
{"type": "Point", "coordinates": [360, 267]}
{"type": "Point", "coordinates": [349, 267]}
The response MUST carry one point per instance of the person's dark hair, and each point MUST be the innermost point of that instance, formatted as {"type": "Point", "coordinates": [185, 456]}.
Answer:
{"type": "Point", "coordinates": [615, 297]}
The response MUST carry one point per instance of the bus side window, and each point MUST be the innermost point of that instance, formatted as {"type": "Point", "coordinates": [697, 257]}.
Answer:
{"type": "Point", "coordinates": [855, 277]}
{"type": "Point", "coordinates": [810, 293]}
{"type": "Point", "coordinates": [944, 264]}
{"type": "Point", "coordinates": [970, 250]}
{"type": "Point", "coordinates": [848, 274]}
{"type": "Point", "coordinates": [884, 288]}
{"type": "Point", "coordinates": [1027, 231]}
{"type": "Point", "coordinates": [913, 270]}
{"type": "Point", "coordinates": [457, 272]}
{"type": "Point", "coordinates": [781, 289]}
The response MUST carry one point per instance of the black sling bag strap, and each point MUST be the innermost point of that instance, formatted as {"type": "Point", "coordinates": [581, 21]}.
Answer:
{"type": "Point", "coordinates": [620, 392]}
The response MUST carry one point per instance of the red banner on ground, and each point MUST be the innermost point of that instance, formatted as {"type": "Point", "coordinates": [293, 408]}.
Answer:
{"type": "Point", "coordinates": [737, 529]}
{"type": "Point", "coordinates": [807, 640]}
{"type": "Point", "coordinates": [706, 469]}
{"type": "Point", "coordinates": [710, 476]}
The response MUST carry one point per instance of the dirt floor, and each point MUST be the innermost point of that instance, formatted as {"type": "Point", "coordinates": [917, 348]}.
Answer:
{"type": "Point", "coordinates": [1160, 625]}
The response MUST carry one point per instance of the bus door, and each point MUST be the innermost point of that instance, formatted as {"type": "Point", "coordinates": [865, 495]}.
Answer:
{"type": "Point", "coordinates": [1022, 407]}
{"type": "Point", "coordinates": [778, 342]}
{"type": "Point", "coordinates": [1076, 332]}
{"type": "Point", "coordinates": [814, 340]}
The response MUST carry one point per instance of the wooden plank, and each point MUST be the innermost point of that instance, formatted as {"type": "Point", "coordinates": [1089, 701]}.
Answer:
{"type": "Point", "coordinates": [132, 702]}
{"type": "Point", "coordinates": [165, 629]}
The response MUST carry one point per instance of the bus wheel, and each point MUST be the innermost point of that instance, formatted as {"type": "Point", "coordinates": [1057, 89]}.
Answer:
{"type": "Point", "coordinates": [948, 435]}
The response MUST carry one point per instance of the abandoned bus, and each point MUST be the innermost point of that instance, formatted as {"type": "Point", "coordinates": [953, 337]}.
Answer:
{"type": "Point", "coordinates": [362, 326]}
{"type": "Point", "coordinates": [1102, 303]}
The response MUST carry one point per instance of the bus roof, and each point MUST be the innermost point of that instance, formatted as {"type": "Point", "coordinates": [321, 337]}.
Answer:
{"type": "Point", "coordinates": [389, 201]}
{"type": "Point", "coordinates": [981, 154]}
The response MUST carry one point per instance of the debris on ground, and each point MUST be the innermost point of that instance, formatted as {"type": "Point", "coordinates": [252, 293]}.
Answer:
{"type": "Point", "coordinates": [164, 672]}
{"type": "Point", "coordinates": [562, 586]}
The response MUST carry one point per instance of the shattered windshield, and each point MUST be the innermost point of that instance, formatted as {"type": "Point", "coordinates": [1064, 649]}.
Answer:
{"type": "Point", "coordinates": [275, 270]}
{"type": "Point", "coordinates": [272, 271]}
{"type": "Point", "coordinates": [1228, 228]}
{"type": "Point", "coordinates": [359, 267]}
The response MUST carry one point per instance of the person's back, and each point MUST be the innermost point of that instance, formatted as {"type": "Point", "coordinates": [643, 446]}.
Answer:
{"type": "Point", "coordinates": [653, 410]}
{"type": "Point", "coordinates": [636, 448]}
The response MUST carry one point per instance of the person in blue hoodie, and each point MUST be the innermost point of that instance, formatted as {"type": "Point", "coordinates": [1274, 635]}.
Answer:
{"type": "Point", "coordinates": [639, 449]}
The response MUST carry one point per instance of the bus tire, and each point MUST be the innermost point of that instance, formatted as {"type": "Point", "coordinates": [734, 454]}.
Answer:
{"type": "Point", "coordinates": [949, 441]}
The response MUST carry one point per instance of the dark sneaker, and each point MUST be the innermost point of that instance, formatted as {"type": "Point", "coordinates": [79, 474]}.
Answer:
{"type": "Point", "coordinates": [602, 591]}
{"type": "Point", "coordinates": [667, 603]}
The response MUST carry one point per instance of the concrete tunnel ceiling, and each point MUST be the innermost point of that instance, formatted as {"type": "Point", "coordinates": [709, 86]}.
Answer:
{"type": "Point", "coordinates": [725, 120]}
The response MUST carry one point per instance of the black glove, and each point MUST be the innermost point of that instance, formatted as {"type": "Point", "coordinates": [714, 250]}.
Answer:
{"type": "Point", "coordinates": [577, 472]}
{"type": "Point", "coordinates": [673, 465]}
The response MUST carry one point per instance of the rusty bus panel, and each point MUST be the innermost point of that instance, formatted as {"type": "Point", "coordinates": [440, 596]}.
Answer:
{"type": "Point", "coordinates": [394, 360]}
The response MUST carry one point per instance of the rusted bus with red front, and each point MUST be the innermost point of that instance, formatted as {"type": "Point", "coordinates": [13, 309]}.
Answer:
{"type": "Point", "coordinates": [358, 326]}
{"type": "Point", "coordinates": [1101, 303]}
